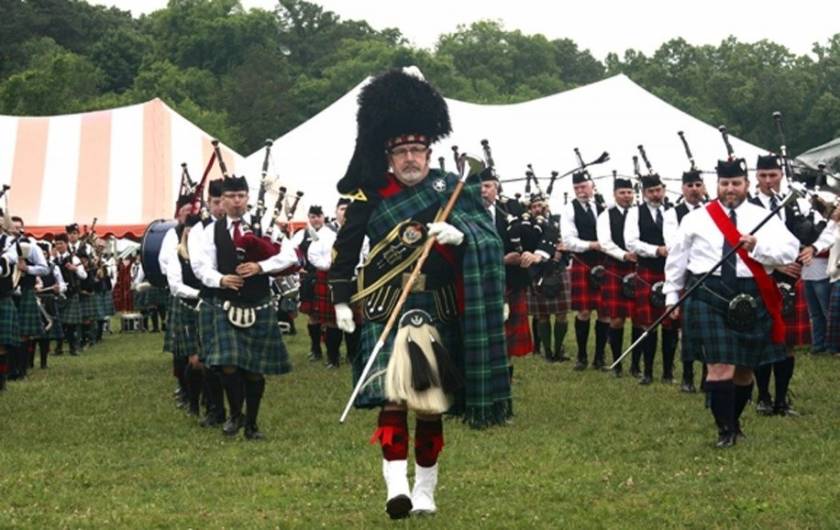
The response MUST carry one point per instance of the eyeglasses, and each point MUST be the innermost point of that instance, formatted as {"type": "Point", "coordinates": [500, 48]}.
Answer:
{"type": "Point", "coordinates": [414, 151]}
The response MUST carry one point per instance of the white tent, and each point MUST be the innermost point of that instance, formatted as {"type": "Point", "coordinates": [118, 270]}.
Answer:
{"type": "Point", "coordinates": [613, 115]}
{"type": "Point", "coordinates": [121, 166]}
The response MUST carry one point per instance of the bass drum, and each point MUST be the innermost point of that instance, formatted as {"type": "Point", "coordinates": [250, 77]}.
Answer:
{"type": "Point", "coordinates": [150, 250]}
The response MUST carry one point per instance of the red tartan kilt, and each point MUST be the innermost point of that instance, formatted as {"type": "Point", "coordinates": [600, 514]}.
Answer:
{"type": "Point", "coordinates": [798, 325]}
{"type": "Point", "coordinates": [320, 309]}
{"type": "Point", "coordinates": [644, 313]}
{"type": "Point", "coordinates": [584, 297]}
{"type": "Point", "coordinates": [517, 329]}
{"type": "Point", "coordinates": [614, 304]}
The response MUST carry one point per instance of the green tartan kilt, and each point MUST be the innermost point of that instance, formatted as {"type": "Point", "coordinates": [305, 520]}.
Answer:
{"type": "Point", "coordinates": [104, 305]}
{"type": "Point", "coordinates": [70, 310]}
{"type": "Point", "coordinates": [259, 348]}
{"type": "Point", "coordinates": [9, 327]}
{"type": "Point", "coordinates": [55, 332]}
{"type": "Point", "coordinates": [159, 297]}
{"type": "Point", "coordinates": [373, 395]}
{"type": "Point", "coordinates": [710, 340]}
{"type": "Point", "coordinates": [169, 334]}
{"type": "Point", "coordinates": [87, 306]}
{"type": "Point", "coordinates": [183, 323]}
{"type": "Point", "coordinates": [29, 316]}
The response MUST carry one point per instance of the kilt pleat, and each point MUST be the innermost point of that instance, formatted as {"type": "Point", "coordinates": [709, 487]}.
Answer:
{"type": "Point", "coordinates": [259, 348]}
{"type": "Point", "coordinates": [373, 395]}
{"type": "Point", "coordinates": [29, 316]}
{"type": "Point", "coordinates": [709, 339]}
{"type": "Point", "coordinates": [585, 295]}
{"type": "Point", "coordinates": [183, 321]}
{"type": "Point", "coordinates": [9, 327]}
{"type": "Point", "coordinates": [70, 310]}
{"type": "Point", "coordinates": [50, 304]}
{"type": "Point", "coordinates": [171, 318]}
{"type": "Point", "coordinates": [540, 305]}
{"type": "Point", "coordinates": [798, 324]}
{"type": "Point", "coordinates": [517, 328]}
{"type": "Point", "coordinates": [614, 303]}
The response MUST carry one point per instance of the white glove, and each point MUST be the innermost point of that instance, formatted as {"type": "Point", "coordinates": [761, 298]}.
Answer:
{"type": "Point", "coordinates": [446, 234]}
{"type": "Point", "coordinates": [506, 311]}
{"type": "Point", "coordinates": [344, 318]}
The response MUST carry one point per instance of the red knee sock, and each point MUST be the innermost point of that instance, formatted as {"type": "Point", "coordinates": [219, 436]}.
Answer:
{"type": "Point", "coordinates": [428, 442]}
{"type": "Point", "coordinates": [392, 434]}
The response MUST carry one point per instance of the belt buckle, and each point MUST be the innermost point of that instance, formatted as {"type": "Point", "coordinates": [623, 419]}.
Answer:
{"type": "Point", "coordinates": [419, 284]}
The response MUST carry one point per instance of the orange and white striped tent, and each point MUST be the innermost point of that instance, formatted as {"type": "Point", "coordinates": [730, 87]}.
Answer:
{"type": "Point", "coordinates": [121, 166]}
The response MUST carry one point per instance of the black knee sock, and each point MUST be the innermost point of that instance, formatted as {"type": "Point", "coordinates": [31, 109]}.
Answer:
{"type": "Point", "coordinates": [30, 348]}
{"type": "Point", "coordinates": [155, 322]}
{"type": "Point", "coordinates": [100, 329]}
{"type": "Point", "coordinates": [333, 341]}
{"type": "Point", "coordinates": [315, 339]}
{"type": "Point", "coordinates": [544, 327]}
{"type": "Point", "coordinates": [670, 337]}
{"type": "Point", "coordinates": [617, 344]}
{"type": "Point", "coordinates": [215, 393]}
{"type": "Point", "coordinates": [254, 390]}
{"type": "Point", "coordinates": [602, 333]}
{"type": "Point", "coordinates": [636, 354]}
{"type": "Point", "coordinates": [561, 327]}
{"type": "Point", "coordinates": [232, 383]}
{"type": "Point", "coordinates": [743, 393]}
{"type": "Point", "coordinates": [784, 373]}
{"type": "Point", "coordinates": [179, 370]}
{"type": "Point", "coordinates": [722, 395]}
{"type": "Point", "coordinates": [688, 372]}
{"type": "Point", "coordinates": [650, 351]}
{"type": "Point", "coordinates": [535, 324]}
{"type": "Point", "coordinates": [762, 381]}
{"type": "Point", "coordinates": [44, 347]}
{"type": "Point", "coordinates": [352, 342]}
{"type": "Point", "coordinates": [582, 337]}
{"type": "Point", "coordinates": [195, 382]}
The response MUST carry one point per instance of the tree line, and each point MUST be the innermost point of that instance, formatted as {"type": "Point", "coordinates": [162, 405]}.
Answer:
{"type": "Point", "coordinates": [247, 75]}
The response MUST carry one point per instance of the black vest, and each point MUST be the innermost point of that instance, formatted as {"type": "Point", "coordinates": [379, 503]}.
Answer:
{"type": "Point", "coordinates": [652, 235]}
{"type": "Point", "coordinates": [255, 289]}
{"type": "Point", "coordinates": [187, 275]}
{"type": "Point", "coordinates": [586, 225]}
{"type": "Point", "coordinates": [48, 280]}
{"type": "Point", "coordinates": [682, 210]}
{"type": "Point", "coordinates": [617, 227]}
{"type": "Point", "coordinates": [70, 277]}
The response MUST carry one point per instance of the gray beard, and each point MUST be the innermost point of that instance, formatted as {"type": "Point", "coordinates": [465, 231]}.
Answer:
{"type": "Point", "coordinates": [411, 177]}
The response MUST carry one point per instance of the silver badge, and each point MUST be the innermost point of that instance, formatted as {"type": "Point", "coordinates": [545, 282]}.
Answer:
{"type": "Point", "coordinates": [439, 184]}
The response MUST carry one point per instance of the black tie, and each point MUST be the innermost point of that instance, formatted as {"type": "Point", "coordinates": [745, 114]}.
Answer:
{"type": "Point", "coordinates": [728, 274]}
{"type": "Point", "coordinates": [589, 210]}
{"type": "Point", "coordinates": [774, 204]}
{"type": "Point", "coordinates": [659, 218]}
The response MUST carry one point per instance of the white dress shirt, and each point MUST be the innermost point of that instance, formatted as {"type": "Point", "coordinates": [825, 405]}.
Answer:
{"type": "Point", "coordinates": [631, 231]}
{"type": "Point", "coordinates": [168, 249]}
{"type": "Point", "coordinates": [698, 246]}
{"type": "Point", "coordinates": [319, 253]}
{"type": "Point", "coordinates": [671, 223]}
{"type": "Point", "coordinates": [569, 232]}
{"type": "Point", "coordinates": [608, 246]}
{"type": "Point", "coordinates": [206, 267]}
{"type": "Point", "coordinates": [174, 276]}
{"type": "Point", "coordinates": [37, 263]}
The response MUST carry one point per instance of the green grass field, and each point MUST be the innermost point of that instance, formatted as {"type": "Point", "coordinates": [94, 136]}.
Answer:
{"type": "Point", "coordinates": [96, 441]}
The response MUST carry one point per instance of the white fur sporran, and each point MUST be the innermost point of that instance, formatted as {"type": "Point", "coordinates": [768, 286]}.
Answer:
{"type": "Point", "coordinates": [240, 317]}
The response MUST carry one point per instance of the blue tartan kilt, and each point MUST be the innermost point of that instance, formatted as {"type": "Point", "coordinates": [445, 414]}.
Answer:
{"type": "Point", "coordinates": [373, 395]}
{"type": "Point", "coordinates": [183, 323]}
{"type": "Point", "coordinates": [9, 328]}
{"type": "Point", "coordinates": [50, 303]}
{"type": "Point", "coordinates": [104, 304]}
{"type": "Point", "coordinates": [168, 335]}
{"type": "Point", "coordinates": [159, 297]}
{"type": "Point", "coordinates": [709, 339]}
{"type": "Point", "coordinates": [70, 310]}
{"type": "Point", "coordinates": [29, 316]}
{"type": "Point", "coordinates": [87, 306]}
{"type": "Point", "coordinates": [259, 348]}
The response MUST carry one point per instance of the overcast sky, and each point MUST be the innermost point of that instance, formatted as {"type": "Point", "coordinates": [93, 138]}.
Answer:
{"type": "Point", "coordinates": [602, 26]}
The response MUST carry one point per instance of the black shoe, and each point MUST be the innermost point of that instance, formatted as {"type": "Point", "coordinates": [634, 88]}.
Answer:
{"type": "Point", "coordinates": [616, 372]}
{"type": "Point", "coordinates": [252, 432]}
{"type": "Point", "coordinates": [764, 407]}
{"type": "Point", "coordinates": [784, 409]}
{"type": "Point", "coordinates": [399, 507]}
{"type": "Point", "coordinates": [688, 388]}
{"type": "Point", "coordinates": [212, 421]}
{"type": "Point", "coordinates": [726, 439]}
{"type": "Point", "coordinates": [314, 357]}
{"type": "Point", "coordinates": [667, 380]}
{"type": "Point", "coordinates": [74, 353]}
{"type": "Point", "coordinates": [645, 380]}
{"type": "Point", "coordinates": [597, 365]}
{"type": "Point", "coordinates": [193, 411]}
{"type": "Point", "coordinates": [331, 366]}
{"type": "Point", "coordinates": [561, 357]}
{"type": "Point", "coordinates": [635, 372]}
{"type": "Point", "coordinates": [232, 425]}
{"type": "Point", "coordinates": [580, 366]}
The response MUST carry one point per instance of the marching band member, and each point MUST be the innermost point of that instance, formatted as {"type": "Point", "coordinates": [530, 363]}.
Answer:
{"type": "Point", "coordinates": [735, 317]}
